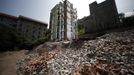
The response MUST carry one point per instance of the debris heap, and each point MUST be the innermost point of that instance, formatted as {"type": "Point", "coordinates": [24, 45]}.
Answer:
{"type": "Point", "coordinates": [110, 54]}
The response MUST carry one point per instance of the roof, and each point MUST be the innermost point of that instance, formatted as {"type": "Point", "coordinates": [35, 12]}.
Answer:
{"type": "Point", "coordinates": [7, 15]}
{"type": "Point", "coordinates": [22, 17]}
{"type": "Point", "coordinates": [55, 7]}
{"type": "Point", "coordinates": [33, 20]}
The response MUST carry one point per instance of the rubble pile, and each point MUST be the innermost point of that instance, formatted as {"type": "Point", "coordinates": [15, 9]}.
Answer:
{"type": "Point", "coordinates": [102, 69]}
{"type": "Point", "coordinates": [110, 54]}
{"type": "Point", "coordinates": [37, 62]}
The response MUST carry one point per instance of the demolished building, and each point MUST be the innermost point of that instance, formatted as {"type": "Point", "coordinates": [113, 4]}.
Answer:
{"type": "Point", "coordinates": [63, 22]}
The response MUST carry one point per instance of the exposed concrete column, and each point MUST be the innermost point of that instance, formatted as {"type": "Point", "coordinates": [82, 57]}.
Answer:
{"type": "Point", "coordinates": [65, 20]}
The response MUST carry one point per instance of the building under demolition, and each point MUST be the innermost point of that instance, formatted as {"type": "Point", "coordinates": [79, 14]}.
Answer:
{"type": "Point", "coordinates": [102, 16]}
{"type": "Point", "coordinates": [63, 22]}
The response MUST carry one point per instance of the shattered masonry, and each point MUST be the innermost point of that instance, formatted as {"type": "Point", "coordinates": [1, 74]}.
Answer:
{"type": "Point", "coordinates": [110, 54]}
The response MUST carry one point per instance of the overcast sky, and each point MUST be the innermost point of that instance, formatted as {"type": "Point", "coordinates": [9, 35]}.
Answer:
{"type": "Point", "coordinates": [40, 9]}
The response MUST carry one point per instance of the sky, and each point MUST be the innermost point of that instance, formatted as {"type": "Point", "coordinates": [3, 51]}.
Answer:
{"type": "Point", "coordinates": [40, 9]}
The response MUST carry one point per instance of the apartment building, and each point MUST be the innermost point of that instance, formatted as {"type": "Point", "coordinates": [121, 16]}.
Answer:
{"type": "Point", "coordinates": [63, 22]}
{"type": "Point", "coordinates": [27, 27]}
{"type": "Point", "coordinates": [30, 28]}
{"type": "Point", "coordinates": [8, 20]}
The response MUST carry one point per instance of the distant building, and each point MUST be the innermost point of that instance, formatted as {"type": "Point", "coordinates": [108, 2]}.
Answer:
{"type": "Point", "coordinates": [102, 16]}
{"type": "Point", "coordinates": [63, 22]}
{"type": "Point", "coordinates": [31, 28]}
{"type": "Point", "coordinates": [8, 20]}
{"type": "Point", "coordinates": [27, 27]}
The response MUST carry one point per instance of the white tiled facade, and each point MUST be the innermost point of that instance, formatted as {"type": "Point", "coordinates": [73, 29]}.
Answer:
{"type": "Point", "coordinates": [57, 22]}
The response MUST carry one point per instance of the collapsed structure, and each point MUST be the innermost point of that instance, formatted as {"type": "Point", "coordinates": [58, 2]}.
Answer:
{"type": "Point", "coordinates": [27, 27]}
{"type": "Point", "coordinates": [63, 22]}
{"type": "Point", "coordinates": [102, 16]}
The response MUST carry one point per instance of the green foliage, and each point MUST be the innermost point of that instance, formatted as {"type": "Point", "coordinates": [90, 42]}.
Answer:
{"type": "Point", "coordinates": [81, 29]}
{"type": "Point", "coordinates": [128, 21]}
{"type": "Point", "coordinates": [7, 38]}
{"type": "Point", "coordinates": [10, 40]}
{"type": "Point", "coordinates": [48, 34]}
{"type": "Point", "coordinates": [121, 15]}
{"type": "Point", "coordinates": [39, 41]}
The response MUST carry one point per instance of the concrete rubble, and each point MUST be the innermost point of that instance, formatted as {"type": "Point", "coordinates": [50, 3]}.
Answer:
{"type": "Point", "coordinates": [110, 54]}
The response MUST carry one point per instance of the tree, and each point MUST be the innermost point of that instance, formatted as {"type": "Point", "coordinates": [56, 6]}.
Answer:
{"type": "Point", "coordinates": [7, 38]}
{"type": "Point", "coordinates": [121, 17]}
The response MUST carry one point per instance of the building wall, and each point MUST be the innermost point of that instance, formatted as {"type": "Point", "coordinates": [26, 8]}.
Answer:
{"type": "Point", "coordinates": [57, 22]}
{"type": "Point", "coordinates": [105, 14]}
{"type": "Point", "coordinates": [102, 16]}
{"type": "Point", "coordinates": [31, 29]}
{"type": "Point", "coordinates": [27, 27]}
{"type": "Point", "coordinates": [63, 22]}
{"type": "Point", "coordinates": [8, 20]}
